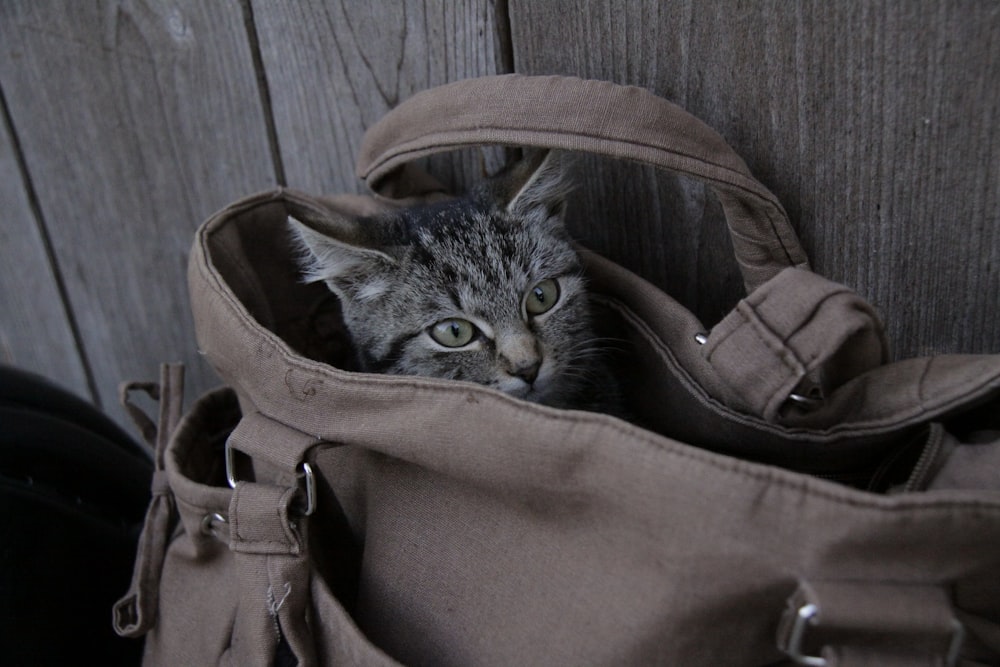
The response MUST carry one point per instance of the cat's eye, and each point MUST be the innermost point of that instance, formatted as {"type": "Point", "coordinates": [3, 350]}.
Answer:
{"type": "Point", "coordinates": [541, 297]}
{"type": "Point", "coordinates": [453, 332]}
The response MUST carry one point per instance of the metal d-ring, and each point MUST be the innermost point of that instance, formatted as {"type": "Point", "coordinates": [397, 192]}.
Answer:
{"type": "Point", "coordinates": [807, 402]}
{"type": "Point", "coordinates": [804, 617]}
{"type": "Point", "coordinates": [810, 399]}
{"type": "Point", "coordinates": [230, 466]}
{"type": "Point", "coordinates": [310, 489]}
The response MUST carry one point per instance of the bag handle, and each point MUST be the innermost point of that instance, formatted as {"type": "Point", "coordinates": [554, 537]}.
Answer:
{"type": "Point", "coordinates": [599, 117]}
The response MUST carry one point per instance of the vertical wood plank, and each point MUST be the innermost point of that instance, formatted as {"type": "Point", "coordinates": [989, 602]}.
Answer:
{"type": "Point", "coordinates": [35, 333]}
{"type": "Point", "coordinates": [334, 68]}
{"type": "Point", "coordinates": [137, 120]}
{"type": "Point", "coordinates": [873, 122]}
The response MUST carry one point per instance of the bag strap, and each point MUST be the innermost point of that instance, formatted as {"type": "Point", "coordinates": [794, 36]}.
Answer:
{"type": "Point", "coordinates": [598, 117]}
{"type": "Point", "coordinates": [135, 613]}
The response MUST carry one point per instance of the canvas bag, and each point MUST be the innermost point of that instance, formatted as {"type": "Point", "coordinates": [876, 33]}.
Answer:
{"type": "Point", "coordinates": [381, 520]}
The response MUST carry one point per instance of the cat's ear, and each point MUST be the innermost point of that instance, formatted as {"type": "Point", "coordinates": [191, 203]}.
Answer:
{"type": "Point", "coordinates": [334, 249]}
{"type": "Point", "coordinates": [536, 186]}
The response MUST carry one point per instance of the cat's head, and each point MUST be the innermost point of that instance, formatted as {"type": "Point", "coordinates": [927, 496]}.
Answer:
{"type": "Point", "coordinates": [486, 288]}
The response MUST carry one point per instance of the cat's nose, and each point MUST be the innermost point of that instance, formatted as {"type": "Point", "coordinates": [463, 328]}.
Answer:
{"type": "Point", "coordinates": [527, 372]}
{"type": "Point", "coordinates": [519, 355]}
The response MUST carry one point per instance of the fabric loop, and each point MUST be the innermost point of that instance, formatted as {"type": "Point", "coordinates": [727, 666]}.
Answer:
{"type": "Point", "coordinates": [169, 392]}
{"type": "Point", "coordinates": [256, 435]}
{"type": "Point", "coordinates": [146, 426]}
{"type": "Point", "coordinates": [160, 484]}
{"type": "Point", "coordinates": [171, 406]}
{"type": "Point", "coordinates": [796, 325]}
{"type": "Point", "coordinates": [135, 613]}
{"type": "Point", "coordinates": [273, 571]}
{"type": "Point", "coordinates": [260, 520]}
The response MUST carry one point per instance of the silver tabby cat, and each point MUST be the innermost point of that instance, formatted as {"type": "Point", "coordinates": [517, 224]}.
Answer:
{"type": "Point", "coordinates": [486, 288]}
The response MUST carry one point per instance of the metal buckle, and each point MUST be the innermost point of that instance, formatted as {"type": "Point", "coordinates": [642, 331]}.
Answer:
{"type": "Point", "coordinates": [808, 614]}
{"type": "Point", "coordinates": [307, 472]}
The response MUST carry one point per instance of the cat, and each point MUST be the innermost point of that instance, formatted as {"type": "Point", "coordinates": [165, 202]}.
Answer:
{"type": "Point", "coordinates": [485, 288]}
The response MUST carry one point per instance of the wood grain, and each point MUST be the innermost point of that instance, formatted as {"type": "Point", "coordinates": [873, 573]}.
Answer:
{"type": "Point", "coordinates": [35, 331]}
{"type": "Point", "coordinates": [873, 122]}
{"type": "Point", "coordinates": [334, 68]}
{"type": "Point", "coordinates": [137, 121]}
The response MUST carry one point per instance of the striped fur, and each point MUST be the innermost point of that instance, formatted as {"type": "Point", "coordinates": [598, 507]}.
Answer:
{"type": "Point", "coordinates": [477, 259]}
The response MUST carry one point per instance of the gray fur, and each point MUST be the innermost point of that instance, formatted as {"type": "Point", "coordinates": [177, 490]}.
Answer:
{"type": "Point", "coordinates": [474, 258]}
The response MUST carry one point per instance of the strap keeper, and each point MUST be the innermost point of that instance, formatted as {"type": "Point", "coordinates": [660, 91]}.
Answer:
{"type": "Point", "coordinates": [870, 615]}
{"type": "Point", "coordinates": [792, 342]}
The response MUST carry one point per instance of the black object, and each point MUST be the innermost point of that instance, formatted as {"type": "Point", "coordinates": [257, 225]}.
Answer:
{"type": "Point", "coordinates": [73, 492]}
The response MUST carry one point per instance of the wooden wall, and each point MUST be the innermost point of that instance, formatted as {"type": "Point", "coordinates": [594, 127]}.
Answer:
{"type": "Point", "coordinates": [127, 123]}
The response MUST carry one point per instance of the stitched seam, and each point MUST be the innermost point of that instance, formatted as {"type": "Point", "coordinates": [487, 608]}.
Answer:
{"type": "Point", "coordinates": [785, 355]}
{"type": "Point", "coordinates": [714, 344]}
{"type": "Point", "coordinates": [398, 153]}
{"type": "Point", "coordinates": [771, 340]}
{"type": "Point", "coordinates": [817, 353]}
{"type": "Point", "coordinates": [284, 545]}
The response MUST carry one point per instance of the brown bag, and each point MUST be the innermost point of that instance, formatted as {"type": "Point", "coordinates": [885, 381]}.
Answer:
{"type": "Point", "coordinates": [380, 519]}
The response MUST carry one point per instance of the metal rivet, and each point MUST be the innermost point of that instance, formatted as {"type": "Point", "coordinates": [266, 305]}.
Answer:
{"type": "Point", "coordinates": [209, 521]}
